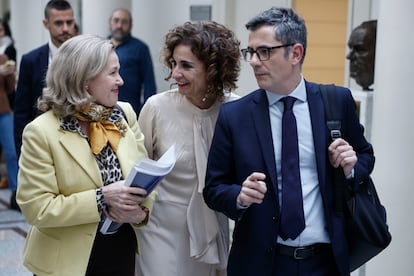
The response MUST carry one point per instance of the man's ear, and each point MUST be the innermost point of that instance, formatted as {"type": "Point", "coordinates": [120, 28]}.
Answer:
{"type": "Point", "coordinates": [46, 23]}
{"type": "Point", "coordinates": [297, 53]}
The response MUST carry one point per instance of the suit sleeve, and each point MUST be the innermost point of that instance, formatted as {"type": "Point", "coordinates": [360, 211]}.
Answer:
{"type": "Point", "coordinates": [150, 87]}
{"type": "Point", "coordinates": [220, 192]}
{"type": "Point", "coordinates": [354, 134]}
{"type": "Point", "coordinates": [23, 108]}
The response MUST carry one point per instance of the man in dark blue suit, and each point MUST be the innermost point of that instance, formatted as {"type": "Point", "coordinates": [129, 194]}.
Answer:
{"type": "Point", "coordinates": [244, 172]}
{"type": "Point", "coordinates": [60, 22]}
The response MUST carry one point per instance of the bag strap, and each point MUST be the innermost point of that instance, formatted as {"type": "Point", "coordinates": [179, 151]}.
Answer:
{"type": "Point", "coordinates": [333, 119]}
{"type": "Point", "coordinates": [333, 123]}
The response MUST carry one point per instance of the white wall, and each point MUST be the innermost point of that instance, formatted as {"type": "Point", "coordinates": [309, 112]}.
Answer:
{"type": "Point", "coordinates": [96, 13]}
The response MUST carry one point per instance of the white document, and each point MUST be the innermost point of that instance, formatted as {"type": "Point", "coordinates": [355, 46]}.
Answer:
{"type": "Point", "coordinates": [146, 174]}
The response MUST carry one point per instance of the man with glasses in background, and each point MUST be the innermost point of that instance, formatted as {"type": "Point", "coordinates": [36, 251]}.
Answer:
{"type": "Point", "coordinates": [271, 160]}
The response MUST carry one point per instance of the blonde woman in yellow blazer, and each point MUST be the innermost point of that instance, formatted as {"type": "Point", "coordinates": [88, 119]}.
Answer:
{"type": "Point", "coordinates": [73, 159]}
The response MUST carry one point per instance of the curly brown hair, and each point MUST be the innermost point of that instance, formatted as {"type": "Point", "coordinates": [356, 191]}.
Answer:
{"type": "Point", "coordinates": [215, 46]}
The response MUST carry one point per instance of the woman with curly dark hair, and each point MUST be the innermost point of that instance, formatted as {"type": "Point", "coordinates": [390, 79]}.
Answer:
{"type": "Point", "coordinates": [189, 238]}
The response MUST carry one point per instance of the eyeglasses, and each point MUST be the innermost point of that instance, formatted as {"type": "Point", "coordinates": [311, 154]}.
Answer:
{"type": "Point", "coordinates": [263, 53]}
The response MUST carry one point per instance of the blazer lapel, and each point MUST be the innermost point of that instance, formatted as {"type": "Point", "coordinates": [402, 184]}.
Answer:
{"type": "Point", "coordinates": [80, 151]}
{"type": "Point", "coordinates": [42, 63]}
{"type": "Point", "coordinates": [259, 110]}
{"type": "Point", "coordinates": [320, 138]}
{"type": "Point", "coordinates": [124, 157]}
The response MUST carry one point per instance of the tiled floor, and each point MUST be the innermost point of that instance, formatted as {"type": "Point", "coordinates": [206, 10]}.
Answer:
{"type": "Point", "coordinates": [13, 229]}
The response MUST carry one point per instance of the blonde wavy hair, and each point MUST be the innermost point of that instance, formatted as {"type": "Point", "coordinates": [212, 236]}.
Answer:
{"type": "Point", "coordinates": [78, 60]}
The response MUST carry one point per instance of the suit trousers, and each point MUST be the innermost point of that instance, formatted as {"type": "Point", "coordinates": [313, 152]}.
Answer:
{"type": "Point", "coordinates": [318, 265]}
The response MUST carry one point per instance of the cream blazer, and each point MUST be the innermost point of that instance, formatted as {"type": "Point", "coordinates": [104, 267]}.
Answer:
{"type": "Point", "coordinates": [57, 180]}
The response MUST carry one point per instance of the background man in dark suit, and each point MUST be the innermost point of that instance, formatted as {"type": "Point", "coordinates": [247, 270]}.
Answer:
{"type": "Point", "coordinates": [245, 177]}
{"type": "Point", "coordinates": [60, 22]}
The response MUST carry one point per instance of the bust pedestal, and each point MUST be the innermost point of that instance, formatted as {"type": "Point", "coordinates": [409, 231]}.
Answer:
{"type": "Point", "coordinates": [364, 101]}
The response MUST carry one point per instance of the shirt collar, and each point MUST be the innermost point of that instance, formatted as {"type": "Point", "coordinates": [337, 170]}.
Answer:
{"type": "Point", "coordinates": [52, 50]}
{"type": "Point", "coordinates": [125, 40]}
{"type": "Point", "coordinates": [299, 93]}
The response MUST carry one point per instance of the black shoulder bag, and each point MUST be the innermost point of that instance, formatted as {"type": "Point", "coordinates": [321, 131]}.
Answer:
{"type": "Point", "coordinates": [366, 221]}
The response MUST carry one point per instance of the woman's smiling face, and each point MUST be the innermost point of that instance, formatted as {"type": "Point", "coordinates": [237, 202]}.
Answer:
{"type": "Point", "coordinates": [189, 73]}
{"type": "Point", "coordinates": [104, 87]}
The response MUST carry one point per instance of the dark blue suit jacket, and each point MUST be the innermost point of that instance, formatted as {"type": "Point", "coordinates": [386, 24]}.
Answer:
{"type": "Point", "coordinates": [243, 144]}
{"type": "Point", "coordinates": [136, 71]}
{"type": "Point", "coordinates": [32, 80]}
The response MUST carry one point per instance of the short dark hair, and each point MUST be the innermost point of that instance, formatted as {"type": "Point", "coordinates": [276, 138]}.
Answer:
{"type": "Point", "coordinates": [60, 5]}
{"type": "Point", "coordinates": [289, 26]}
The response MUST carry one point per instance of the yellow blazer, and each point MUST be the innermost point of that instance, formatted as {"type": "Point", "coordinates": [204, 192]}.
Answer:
{"type": "Point", "coordinates": [57, 180]}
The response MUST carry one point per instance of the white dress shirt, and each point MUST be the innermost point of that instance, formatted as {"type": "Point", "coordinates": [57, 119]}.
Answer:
{"type": "Point", "coordinates": [315, 230]}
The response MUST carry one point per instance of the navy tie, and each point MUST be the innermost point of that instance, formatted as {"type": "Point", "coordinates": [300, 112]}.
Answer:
{"type": "Point", "coordinates": [292, 221]}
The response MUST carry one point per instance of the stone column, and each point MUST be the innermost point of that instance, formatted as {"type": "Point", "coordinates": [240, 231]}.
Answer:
{"type": "Point", "coordinates": [392, 134]}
